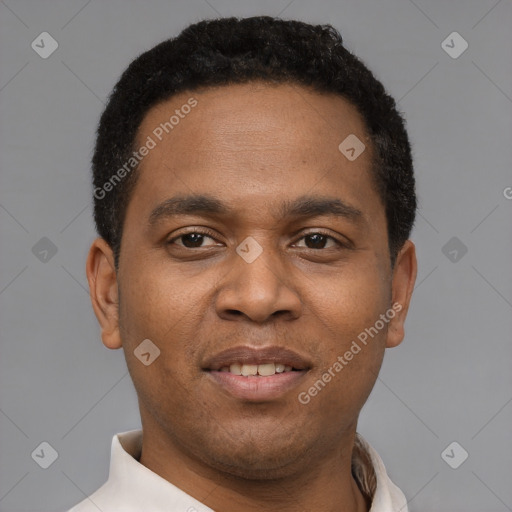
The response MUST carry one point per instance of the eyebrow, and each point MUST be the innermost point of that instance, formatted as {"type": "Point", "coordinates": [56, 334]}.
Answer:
{"type": "Point", "coordinates": [304, 206]}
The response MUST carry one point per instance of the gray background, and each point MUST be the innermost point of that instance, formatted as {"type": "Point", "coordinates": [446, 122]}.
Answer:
{"type": "Point", "coordinates": [449, 381]}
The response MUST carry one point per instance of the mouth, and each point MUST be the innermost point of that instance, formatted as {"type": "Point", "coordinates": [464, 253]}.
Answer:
{"type": "Point", "coordinates": [256, 375]}
{"type": "Point", "coordinates": [255, 369]}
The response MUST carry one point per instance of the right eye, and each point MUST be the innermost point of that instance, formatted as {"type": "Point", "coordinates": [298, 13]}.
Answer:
{"type": "Point", "coordinates": [192, 239]}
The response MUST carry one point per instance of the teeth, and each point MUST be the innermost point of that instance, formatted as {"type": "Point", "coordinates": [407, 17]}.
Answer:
{"type": "Point", "coordinates": [267, 369]}
{"type": "Point", "coordinates": [249, 369]}
{"type": "Point", "coordinates": [263, 370]}
{"type": "Point", "coordinates": [236, 369]}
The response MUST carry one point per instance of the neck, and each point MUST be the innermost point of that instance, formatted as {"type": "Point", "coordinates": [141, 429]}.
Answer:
{"type": "Point", "coordinates": [324, 483]}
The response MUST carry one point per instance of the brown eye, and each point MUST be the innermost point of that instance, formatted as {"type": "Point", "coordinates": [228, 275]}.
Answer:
{"type": "Point", "coordinates": [319, 241]}
{"type": "Point", "coordinates": [192, 239]}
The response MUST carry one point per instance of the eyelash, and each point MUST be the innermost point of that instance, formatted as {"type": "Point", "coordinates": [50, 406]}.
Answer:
{"type": "Point", "coordinates": [212, 235]}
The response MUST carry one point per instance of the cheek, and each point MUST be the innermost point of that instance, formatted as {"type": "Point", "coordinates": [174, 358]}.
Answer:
{"type": "Point", "coordinates": [152, 305]}
{"type": "Point", "coordinates": [165, 309]}
{"type": "Point", "coordinates": [352, 344]}
{"type": "Point", "coordinates": [154, 309]}
{"type": "Point", "coordinates": [350, 301]}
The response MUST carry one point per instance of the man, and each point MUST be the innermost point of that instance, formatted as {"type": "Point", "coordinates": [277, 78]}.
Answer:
{"type": "Point", "coordinates": [254, 196]}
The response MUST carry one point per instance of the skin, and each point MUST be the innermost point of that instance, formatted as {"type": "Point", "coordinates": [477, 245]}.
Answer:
{"type": "Point", "coordinates": [253, 146]}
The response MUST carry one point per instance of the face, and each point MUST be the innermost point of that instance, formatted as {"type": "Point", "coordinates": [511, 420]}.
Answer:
{"type": "Point", "coordinates": [283, 262]}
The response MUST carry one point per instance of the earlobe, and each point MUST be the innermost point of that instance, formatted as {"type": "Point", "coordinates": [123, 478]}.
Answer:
{"type": "Point", "coordinates": [102, 277]}
{"type": "Point", "coordinates": [404, 277]}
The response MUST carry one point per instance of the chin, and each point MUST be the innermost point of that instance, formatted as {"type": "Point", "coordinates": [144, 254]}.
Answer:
{"type": "Point", "coordinates": [253, 461]}
{"type": "Point", "coordinates": [260, 468]}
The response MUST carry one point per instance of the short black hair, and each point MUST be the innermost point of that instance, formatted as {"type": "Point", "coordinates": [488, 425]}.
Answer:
{"type": "Point", "coordinates": [227, 51]}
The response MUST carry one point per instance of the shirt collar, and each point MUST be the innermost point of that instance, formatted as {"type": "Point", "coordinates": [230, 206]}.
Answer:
{"type": "Point", "coordinates": [133, 487]}
{"type": "Point", "coordinates": [371, 476]}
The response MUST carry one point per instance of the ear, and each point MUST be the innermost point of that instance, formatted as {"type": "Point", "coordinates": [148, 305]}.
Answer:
{"type": "Point", "coordinates": [404, 277]}
{"type": "Point", "coordinates": [102, 277]}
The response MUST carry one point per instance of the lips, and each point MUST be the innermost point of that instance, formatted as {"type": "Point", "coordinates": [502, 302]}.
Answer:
{"type": "Point", "coordinates": [244, 355]}
{"type": "Point", "coordinates": [256, 374]}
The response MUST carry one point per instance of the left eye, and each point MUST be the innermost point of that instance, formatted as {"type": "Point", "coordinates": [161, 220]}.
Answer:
{"type": "Point", "coordinates": [319, 239]}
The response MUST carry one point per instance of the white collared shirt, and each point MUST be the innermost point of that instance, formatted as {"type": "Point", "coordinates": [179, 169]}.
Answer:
{"type": "Point", "coordinates": [132, 487]}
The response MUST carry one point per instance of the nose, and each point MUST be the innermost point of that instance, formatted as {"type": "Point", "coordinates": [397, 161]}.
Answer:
{"type": "Point", "coordinates": [260, 290]}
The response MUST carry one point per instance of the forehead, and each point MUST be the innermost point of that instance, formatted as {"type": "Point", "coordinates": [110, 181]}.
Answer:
{"type": "Point", "coordinates": [286, 110]}
{"type": "Point", "coordinates": [254, 143]}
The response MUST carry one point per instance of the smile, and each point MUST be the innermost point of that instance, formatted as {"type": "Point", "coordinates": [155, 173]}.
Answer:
{"type": "Point", "coordinates": [256, 374]}
{"type": "Point", "coordinates": [263, 370]}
